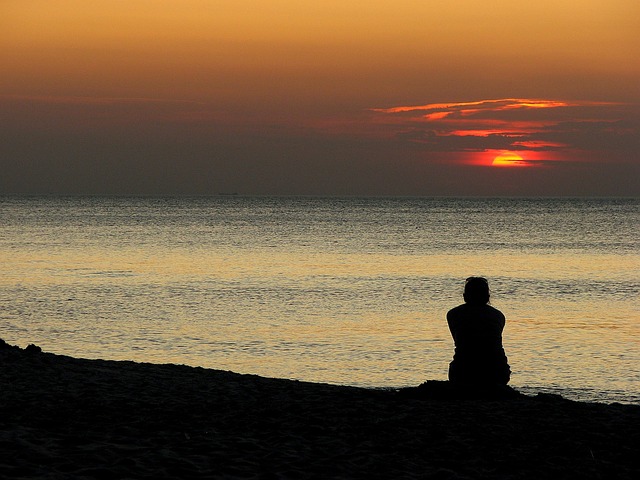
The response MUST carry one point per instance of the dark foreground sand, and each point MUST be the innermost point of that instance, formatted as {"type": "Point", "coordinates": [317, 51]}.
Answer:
{"type": "Point", "coordinates": [62, 417]}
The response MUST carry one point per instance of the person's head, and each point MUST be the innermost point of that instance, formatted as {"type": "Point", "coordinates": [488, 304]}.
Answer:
{"type": "Point", "coordinates": [476, 291]}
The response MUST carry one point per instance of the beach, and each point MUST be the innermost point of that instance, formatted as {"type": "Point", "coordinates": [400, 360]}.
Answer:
{"type": "Point", "coordinates": [64, 417]}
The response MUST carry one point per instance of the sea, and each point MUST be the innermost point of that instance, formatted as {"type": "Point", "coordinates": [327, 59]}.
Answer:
{"type": "Point", "coordinates": [348, 290]}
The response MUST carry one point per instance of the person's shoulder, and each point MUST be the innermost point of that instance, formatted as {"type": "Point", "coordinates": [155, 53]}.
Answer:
{"type": "Point", "coordinates": [459, 308]}
{"type": "Point", "coordinates": [495, 312]}
{"type": "Point", "coordinates": [457, 311]}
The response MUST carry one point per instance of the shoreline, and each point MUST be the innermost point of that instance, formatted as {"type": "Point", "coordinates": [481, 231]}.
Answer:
{"type": "Point", "coordinates": [63, 417]}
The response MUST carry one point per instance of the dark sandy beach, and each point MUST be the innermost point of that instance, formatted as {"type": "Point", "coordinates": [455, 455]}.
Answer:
{"type": "Point", "coordinates": [62, 417]}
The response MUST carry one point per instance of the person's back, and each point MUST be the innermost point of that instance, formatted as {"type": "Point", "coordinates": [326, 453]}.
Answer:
{"type": "Point", "coordinates": [476, 328]}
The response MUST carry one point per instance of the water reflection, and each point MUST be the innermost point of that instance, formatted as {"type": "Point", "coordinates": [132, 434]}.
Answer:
{"type": "Point", "coordinates": [336, 291]}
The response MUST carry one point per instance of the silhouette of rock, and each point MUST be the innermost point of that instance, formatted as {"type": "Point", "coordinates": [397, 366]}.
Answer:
{"type": "Point", "coordinates": [31, 348]}
{"type": "Point", "coordinates": [444, 390]}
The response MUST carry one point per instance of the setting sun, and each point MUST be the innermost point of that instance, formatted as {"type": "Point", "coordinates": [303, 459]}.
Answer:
{"type": "Point", "coordinates": [508, 159]}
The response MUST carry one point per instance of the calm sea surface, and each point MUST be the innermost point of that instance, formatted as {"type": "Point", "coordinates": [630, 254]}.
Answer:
{"type": "Point", "coordinates": [339, 290]}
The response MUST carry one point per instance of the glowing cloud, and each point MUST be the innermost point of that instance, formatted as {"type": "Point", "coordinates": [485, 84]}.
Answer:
{"type": "Point", "coordinates": [502, 127]}
{"type": "Point", "coordinates": [495, 105]}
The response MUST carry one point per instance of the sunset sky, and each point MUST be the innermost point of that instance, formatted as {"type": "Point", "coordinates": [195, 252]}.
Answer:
{"type": "Point", "coordinates": [334, 97]}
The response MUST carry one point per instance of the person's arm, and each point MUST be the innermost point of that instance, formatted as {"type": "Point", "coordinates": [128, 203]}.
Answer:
{"type": "Point", "coordinates": [451, 321]}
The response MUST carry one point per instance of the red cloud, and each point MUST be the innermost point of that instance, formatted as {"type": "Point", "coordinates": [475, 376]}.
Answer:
{"type": "Point", "coordinates": [509, 124]}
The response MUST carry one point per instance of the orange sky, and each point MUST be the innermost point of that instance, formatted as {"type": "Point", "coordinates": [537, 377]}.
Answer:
{"type": "Point", "coordinates": [294, 96]}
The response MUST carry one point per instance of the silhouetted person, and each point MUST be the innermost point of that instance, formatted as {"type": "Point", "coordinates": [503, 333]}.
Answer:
{"type": "Point", "coordinates": [476, 328]}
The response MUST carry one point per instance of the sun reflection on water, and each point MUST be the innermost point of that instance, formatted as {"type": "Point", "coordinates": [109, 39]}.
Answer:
{"type": "Point", "coordinates": [366, 312]}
